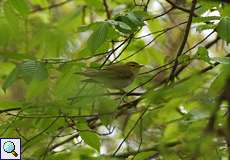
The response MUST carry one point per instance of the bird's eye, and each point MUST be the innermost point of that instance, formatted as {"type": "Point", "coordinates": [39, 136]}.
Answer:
{"type": "Point", "coordinates": [132, 65]}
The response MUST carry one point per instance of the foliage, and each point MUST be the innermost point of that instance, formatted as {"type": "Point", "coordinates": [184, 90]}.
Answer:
{"type": "Point", "coordinates": [176, 108]}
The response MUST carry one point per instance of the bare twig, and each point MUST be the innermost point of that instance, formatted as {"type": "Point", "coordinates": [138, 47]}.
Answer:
{"type": "Point", "coordinates": [162, 14]}
{"type": "Point", "coordinates": [180, 8]}
{"type": "Point", "coordinates": [64, 141]}
{"type": "Point", "coordinates": [10, 109]}
{"type": "Point", "coordinates": [112, 51]}
{"type": "Point", "coordinates": [39, 134]}
{"type": "Point", "coordinates": [154, 148]}
{"type": "Point", "coordinates": [180, 50]}
{"type": "Point", "coordinates": [51, 6]}
{"type": "Point", "coordinates": [130, 131]}
{"type": "Point", "coordinates": [107, 9]}
{"type": "Point", "coordinates": [146, 6]}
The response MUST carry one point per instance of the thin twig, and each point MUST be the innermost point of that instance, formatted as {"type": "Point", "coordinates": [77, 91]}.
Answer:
{"type": "Point", "coordinates": [180, 8]}
{"type": "Point", "coordinates": [153, 148]}
{"type": "Point", "coordinates": [107, 9]}
{"type": "Point", "coordinates": [113, 50]}
{"type": "Point", "coordinates": [162, 14]}
{"type": "Point", "coordinates": [40, 133]}
{"type": "Point", "coordinates": [180, 50]}
{"type": "Point", "coordinates": [10, 109]}
{"type": "Point", "coordinates": [130, 131]}
{"type": "Point", "coordinates": [163, 30]}
{"type": "Point", "coordinates": [51, 6]}
{"type": "Point", "coordinates": [64, 141]}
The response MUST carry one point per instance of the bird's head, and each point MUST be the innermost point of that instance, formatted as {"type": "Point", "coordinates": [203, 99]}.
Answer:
{"type": "Point", "coordinates": [133, 66]}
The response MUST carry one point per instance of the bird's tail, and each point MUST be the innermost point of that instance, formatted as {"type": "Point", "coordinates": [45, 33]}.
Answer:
{"type": "Point", "coordinates": [89, 81]}
{"type": "Point", "coordinates": [82, 73]}
{"type": "Point", "coordinates": [88, 73]}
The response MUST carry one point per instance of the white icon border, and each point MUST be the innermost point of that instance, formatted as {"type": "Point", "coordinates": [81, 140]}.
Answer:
{"type": "Point", "coordinates": [20, 148]}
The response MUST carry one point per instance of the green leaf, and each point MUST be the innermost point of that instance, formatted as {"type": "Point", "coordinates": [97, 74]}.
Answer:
{"type": "Point", "coordinates": [89, 136]}
{"type": "Point", "coordinates": [144, 155]}
{"type": "Point", "coordinates": [205, 19]}
{"type": "Point", "coordinates": [202, 53]}
{"type": "Point", "coordinates": [11, 15]}
{"type": "Point", "coordinates": [222, 60]}
{"type": "Point", "coordinates": [123, 27]}
{"type": "Point", "coordinates": [91, 26]}
{"type": "Point", "coordinates": [51, 41]}
{"type": "Point", "coordinates": [29, 70]}
{"type": "Point", "coordinates": [68, 82]}
{"type": "Point", "coordinates": [59, 156]}
{"type": "Point", "coordinates": [5, 33]}
{"type": "Point", "coordinates": [33, 70]}
{"type": "Point", "coordinates": [21, 6]}
{"type": "Point", "coordinates": [94, 3]}
{"type": "Point", "coordinates": [226, 11]}
{"type": "Point", "coordinates": [92, 139]}
{"type": "Point", "coordinates": [202, 27]}
{"type": "Point", "coordinates": [223, 29]}
{"type": "Point", "coordinates": [14, 56]}
{"type": "Point", "coordinates": [98, 37]}
{"type": "Point", "coordinates": [170, 131]}
{"type": "Point", "coordinates": [4, 104]}
{"type": "Point", "coordinates": [36, 88]}
{"type": "Point", "coordinates": [208, 4]}
{"type": "Point", "coordinates": [184, 59]}
{"type": "Point", "coordinates": [42, 3]}
{"type": "Point", "coordinates": [135, 19]}
{"type": "Point", "coordinates": [106, 105]}
{"type": "Point", "coordinates": [219, 81]}
{"type": "Point", "coordinates": [129, 23]}
{"type": "Point", "coordinates": [10, 79]}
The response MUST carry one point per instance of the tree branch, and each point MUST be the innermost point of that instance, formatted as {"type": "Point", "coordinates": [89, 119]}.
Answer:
{"type": "Point", "coordinates": [180, 50]}
{"type": "Point", "coordinates": [154, 148]}
{"type": "Point", "coordinates": [107, 9]}
{"type": "Point", "coordinates": [181, 8]}
{"type": "Point", "coordinates": [130, 131]}
{"type": "Point", "coordinates": [51, 6]}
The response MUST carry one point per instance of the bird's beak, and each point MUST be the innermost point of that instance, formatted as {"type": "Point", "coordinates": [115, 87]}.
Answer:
{"type": "Point", "coordinates": [140, 65]}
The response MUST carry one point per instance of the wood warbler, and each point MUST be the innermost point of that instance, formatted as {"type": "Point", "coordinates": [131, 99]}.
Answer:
{"type": "Point", "coordinates": [116, 76]}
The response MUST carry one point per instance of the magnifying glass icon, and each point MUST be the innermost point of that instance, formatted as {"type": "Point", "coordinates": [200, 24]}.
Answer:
{"type": "Point", "coordinates": [9, 147]}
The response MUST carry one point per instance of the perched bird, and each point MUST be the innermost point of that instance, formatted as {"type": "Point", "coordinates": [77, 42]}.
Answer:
{"type": "Point", "coordinates": [116, 76]}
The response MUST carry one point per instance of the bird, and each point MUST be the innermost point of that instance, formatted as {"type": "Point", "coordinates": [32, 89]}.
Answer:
{"type": "Point", "coordinates": [115, 76]}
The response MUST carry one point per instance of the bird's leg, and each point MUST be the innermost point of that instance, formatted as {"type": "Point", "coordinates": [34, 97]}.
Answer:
{"type": "Point", "coordinates": [123, 95]}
